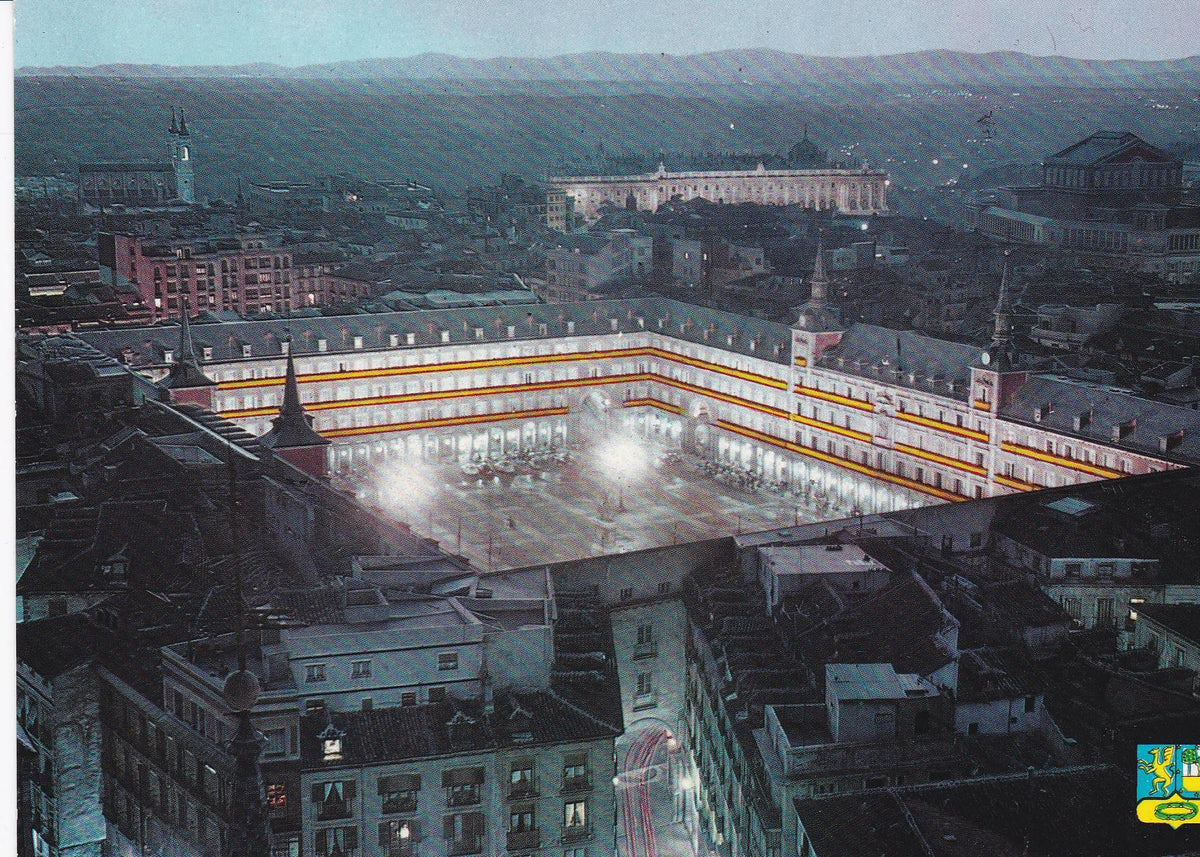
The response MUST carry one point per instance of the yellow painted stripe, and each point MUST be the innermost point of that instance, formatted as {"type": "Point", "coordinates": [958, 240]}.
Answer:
{"type": "Point", "coordinates": [537, 386]}
{"type": "Point", "coordinates": [1061, 461]}
{"type": "Point", "coordinates": [654, 403]}
{"type": "Point", "coordinates": [840, 462]}
{"type": "Point", "coordinates": [801, 361]}
{"type": "Point", "coordinates": [824, 426]}
{"type": "Point", "coordinates": [501, 362]}
{"type": "Point", "coordinates": [1019, 484]}
{"type": "Point", "coordinates": [940, 459]}
{"type": "Point", "coordinates": [942, 426]}
{"type": "Point", "coordinates": [408, 398]}
{"type": "Point", "coordinates": [981, 405]}
{"type": "Point", "coordinates": [814, 393]}
{"type": "Point", "coordinates": [447, 421]}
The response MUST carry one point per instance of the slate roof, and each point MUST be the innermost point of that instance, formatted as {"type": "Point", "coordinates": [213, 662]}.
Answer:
{"type": "Point", "coordinates": [903, 357]}
{"type": "Point", "coordinates": [1149, 517]}
{"type": "Point", "coordinates": [1100, 147]}
{"type": "Point", "coordinates": [79, 539]}
{"type": "Point", "coordinates": [1077, 812]}
{"type": "Point", "coordinates": [864, 630]}
{"type": "Point", "coordinates": [59, 644]}
{"type": "Point", "coordinates": [1182, 619]}
{"type": "Point", "coordinates": [399, 734]}
{"type": "Point", "coordinates": [678, 320]}
{"type": "Point", "coordinates": [1069, 399]}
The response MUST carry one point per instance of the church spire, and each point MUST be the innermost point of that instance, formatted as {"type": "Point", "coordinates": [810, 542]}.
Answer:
{"type": "Point", "coordinates": [174, 126]}
{"type": "Point", "coordinates": [183, 131]}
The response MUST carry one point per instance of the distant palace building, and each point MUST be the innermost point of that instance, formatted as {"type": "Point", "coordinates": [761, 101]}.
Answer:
{"type": "Point", "coordinates": [1111, 194]}
{"type": "Point", "coordinates": [798, 180]}
{"type": "Point", "coordinates": [143, 184]}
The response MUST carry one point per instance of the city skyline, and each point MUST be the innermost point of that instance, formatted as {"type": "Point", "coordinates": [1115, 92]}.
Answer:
{"type": "Point", "coordinates": [50, 32]}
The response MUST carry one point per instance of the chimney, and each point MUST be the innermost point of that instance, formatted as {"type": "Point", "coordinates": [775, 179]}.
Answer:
{"type": "Point", "coordinates": [1123, 430]}
{"type": "Point", "coordinates": [1043, 411]}
{"type": "Point", "coordinates": [1083, 420]}
{"type": "Point", "coordinates": [1169, 441]}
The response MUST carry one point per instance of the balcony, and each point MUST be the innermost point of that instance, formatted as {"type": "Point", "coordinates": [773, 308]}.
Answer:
{"type": "Point", "coordinates": [524, 840]}
{"type": "Point", "coordinates": [463, 798]}
{"type": "Point", "coordinates": [405, 803]}
{"type": "Point", "coordinates": [573, 785]}
{"type": "Point", "coordinates": [645, 700]}
{"type": "Point", "coordinates": [577, 833]}
{"type": "Point", "coordinates": [329, 810]}
{"type": "Point", "coordinates": [464, 846]}
{"type": "Point", "coordinates": [523, 790]}
{"type": "Point", "coordinates": [645, 650]}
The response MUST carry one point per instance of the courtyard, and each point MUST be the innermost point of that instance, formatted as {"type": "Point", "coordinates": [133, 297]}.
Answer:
{"type": "Point", "coordinates": [614, 496]}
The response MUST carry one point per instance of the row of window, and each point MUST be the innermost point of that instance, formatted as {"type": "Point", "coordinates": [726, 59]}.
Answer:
{"type": "Point", "coordinates": [362, 669]}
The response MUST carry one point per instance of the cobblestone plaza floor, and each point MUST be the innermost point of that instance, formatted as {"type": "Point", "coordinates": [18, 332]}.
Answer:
{"type": "Point", "coordinates": [561, 510]}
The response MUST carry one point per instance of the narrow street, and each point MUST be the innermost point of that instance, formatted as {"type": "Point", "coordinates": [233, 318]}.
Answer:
{"type": "Point", "coordinates": [650, 761]}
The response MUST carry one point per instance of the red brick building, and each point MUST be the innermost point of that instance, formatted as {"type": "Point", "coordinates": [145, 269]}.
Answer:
{"type": "Point", "coordinates": [244, 273]}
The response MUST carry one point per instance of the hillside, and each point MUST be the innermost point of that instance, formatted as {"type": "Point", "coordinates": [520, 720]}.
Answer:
{"type": "Point", "coordinates": [452, 133]}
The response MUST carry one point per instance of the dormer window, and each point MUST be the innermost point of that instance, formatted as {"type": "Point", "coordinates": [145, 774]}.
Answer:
{"type": "Point", "coordinates": [331, 743]}
{"type": "Point", "coordinates": [247, 350]}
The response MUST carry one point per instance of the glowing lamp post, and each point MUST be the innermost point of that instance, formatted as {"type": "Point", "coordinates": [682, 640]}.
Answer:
{"type": "Point", "coordinates": [621, 459]}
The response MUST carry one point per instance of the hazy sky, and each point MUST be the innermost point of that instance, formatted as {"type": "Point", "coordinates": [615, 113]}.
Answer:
{"type": "Point", "coordinates": [295, 32]}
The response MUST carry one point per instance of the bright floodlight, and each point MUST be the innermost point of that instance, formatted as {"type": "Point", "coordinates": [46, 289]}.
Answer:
{"type": "Point", "coordinates": [622, 458]}
{"type": "Point", "coordinates": [405, 488]}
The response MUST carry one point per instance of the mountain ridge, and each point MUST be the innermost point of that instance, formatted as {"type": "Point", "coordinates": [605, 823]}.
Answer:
{"type": "Point", "coordinates": [740, 65]}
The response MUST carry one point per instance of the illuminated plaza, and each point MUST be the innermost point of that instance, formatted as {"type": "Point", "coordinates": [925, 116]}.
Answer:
{"type": "Point", "coordinates": [554, 506]}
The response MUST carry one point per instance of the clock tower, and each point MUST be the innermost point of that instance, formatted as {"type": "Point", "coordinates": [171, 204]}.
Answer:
{"type": "Point", "coordinates": [818, 326]}
{"type": "Point", "coordinates": [995, 377]}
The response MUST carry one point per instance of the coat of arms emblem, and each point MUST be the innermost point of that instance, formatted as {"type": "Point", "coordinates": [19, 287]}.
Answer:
{"type": "Point", "coordinates": [1168, 784]}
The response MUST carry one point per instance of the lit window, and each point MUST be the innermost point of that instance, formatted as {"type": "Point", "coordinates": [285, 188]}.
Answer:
{"type": "Point", "coordinates": [575, 813]}
{"type": "Point", "coordinates": [331, 743]}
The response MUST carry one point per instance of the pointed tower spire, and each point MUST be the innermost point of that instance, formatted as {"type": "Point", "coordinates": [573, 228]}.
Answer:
{"type": "Point", "coordinates": [292, 436]}
{"type": "Point", "coordinates": [819, 282]}
{"type": "Point", "coordinates": [186, 351]}
{"type": "Point", "coordinates": [186, 381]}
{"type": "Point", "coordinates": [174, 126]}
{"type": "Point", "coordinates": [291, 391]}
{"type": "Point", "coordinates": [816, 313]}
{"type": "Point", "coordinates": [183, 131]}
{"type": "Point", "coordinates": [1003, 312]}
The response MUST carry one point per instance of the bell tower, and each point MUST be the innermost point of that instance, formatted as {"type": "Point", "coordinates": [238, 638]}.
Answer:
{"type": "Point", "coordinates": [181, 159]}
{"type": "Point", "coordinates": [818, 326]}
{"type": "Point", "coordinates": [995, 379]}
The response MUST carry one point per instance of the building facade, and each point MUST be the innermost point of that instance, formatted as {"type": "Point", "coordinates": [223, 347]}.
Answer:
{"type": "Point", "coordinates": [246, 273]}
{"type": "Point", "coordinates": [862, 192]}
{"type": "Point", "coordinates": [869, 418]}
{"type": "Point", "coordinates": [1111, 195]}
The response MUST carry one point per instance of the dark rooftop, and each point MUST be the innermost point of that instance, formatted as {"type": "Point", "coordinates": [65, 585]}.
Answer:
{"type": "Point", "coordinates": [450, 727]}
